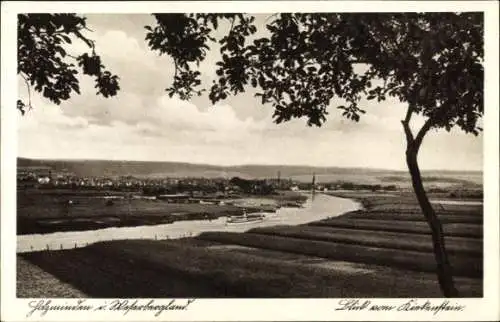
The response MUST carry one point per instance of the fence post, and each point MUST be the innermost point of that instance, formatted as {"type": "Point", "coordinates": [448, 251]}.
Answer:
{"type": "Point", "coordinates": [48, 247]}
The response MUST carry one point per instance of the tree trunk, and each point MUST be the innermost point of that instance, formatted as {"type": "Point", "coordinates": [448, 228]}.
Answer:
{"type": "Point", "coordinates": [444, 270]}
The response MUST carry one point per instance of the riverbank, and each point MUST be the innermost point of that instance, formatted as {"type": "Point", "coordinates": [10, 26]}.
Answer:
{"type": "Point", "coordinates": [43, 213]}
{"type": "Point", "coordinates": [322, 207]}
{"type": "Point", "coordinates": [315, 259]}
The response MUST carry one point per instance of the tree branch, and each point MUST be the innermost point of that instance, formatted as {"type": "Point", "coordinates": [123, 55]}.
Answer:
{"type": "Point", "coordinates": [359, 61]}
{"type": "Point", "coordinates": [409, 112]}
{"type": "Point", "coordinates": [232, 25]}
{"type": "Point", "coordinates": [89, 42]}
{"type": "Point", "coordinates": [270, 17]}
{"type": "Point", "coordinates": [420, 135]}
{"type": "Point", "coordinates": [176, 68]}
{"type": "Point", "coordinates": [406, 125]}
{"type": "Point", "coordinates": [29, 91]}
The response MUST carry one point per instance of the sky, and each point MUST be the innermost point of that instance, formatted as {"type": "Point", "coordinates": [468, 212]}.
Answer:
{"type": "Point", "coordinates": [143, 123]}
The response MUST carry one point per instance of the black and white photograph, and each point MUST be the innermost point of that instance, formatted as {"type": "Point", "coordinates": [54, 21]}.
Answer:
{"type": "Point", "coordinates": [212, 152]}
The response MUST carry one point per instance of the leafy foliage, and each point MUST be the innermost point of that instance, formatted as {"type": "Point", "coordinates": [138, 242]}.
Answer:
{"type": "Point", "coordinates": [432, 61]}
{"type": "Point", "coordinates": [185, 38]}
{"type": "Point", "coordinates": [46, 66]}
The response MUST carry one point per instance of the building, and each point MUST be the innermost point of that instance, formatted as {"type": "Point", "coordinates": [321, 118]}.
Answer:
{"type": "Point", "coordinates": [44, 180]}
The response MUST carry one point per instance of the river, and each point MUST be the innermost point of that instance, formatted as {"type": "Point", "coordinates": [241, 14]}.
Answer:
{"type": "Point", "coordinates": [317, 208]}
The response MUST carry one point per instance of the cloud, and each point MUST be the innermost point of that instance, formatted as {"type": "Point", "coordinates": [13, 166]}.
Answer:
{"type": "Point", "coordinates": [178, 131]}
{"type": "Point", "coordinates": [136, 67]}
{"type": "Point", "coordinates": [117, 45]}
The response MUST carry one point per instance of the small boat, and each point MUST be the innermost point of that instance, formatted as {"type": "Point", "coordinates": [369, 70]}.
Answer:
{"type": "Point", "coordinates": [293, 204]}
{"type": "Point", "coordinates": [245, 218]}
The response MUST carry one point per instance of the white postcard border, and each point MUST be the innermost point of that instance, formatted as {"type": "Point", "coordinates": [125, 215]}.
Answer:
{"type": "Point", "coordinates": [13, 309]}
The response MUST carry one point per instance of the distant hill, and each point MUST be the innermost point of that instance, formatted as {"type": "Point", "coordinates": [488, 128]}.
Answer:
{"type": "Point", "coordinates": [301, 173]}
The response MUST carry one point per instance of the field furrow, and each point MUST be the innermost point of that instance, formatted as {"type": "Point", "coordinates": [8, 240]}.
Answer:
{"type": "Point", "coordinates": [404, 259]}
{"type": "Point", "coordinates": [450, 229]}
{"type": "Point", "coordinates": [416, 217]}
{"type": "Point", "coordinates": [414, 242]}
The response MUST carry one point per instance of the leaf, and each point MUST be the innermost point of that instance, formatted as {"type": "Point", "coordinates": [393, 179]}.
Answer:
{"type": "Point", "coordinates": [66, 39]}
{"type": "Point", "coordinates": [21, 107]}
{"type": "Point", "coordinates": [61, 51]}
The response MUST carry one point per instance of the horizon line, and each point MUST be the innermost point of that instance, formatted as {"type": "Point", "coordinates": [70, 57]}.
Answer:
{"type": "Point", "coordinates": [249, 164]}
